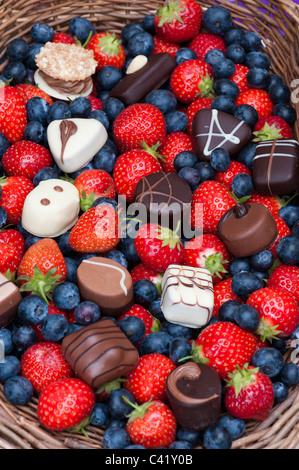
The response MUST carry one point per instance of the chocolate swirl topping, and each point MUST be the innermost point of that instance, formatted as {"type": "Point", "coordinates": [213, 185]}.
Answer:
{"type": "Point", "coordinates": [67, 129]}
{"type": "Point", "coordinates": [76, 87]}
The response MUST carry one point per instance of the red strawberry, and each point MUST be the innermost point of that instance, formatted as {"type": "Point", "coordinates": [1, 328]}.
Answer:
{"type": "Point", "coordinates": [30, 91]}
{"type": "Point", "coordinates": [54, 410]}
{"type": "Point", "coordinates": [164, 46]}
{"type": "Point", "coordinates": [139, 123]}
{"type": "Point", "coordinates": [93, 184]}
{"type": "Point", "coordinates": [14, 192]}
{"type": "Point", "coordinates": [249, 394]}
{"type": "Point", "coordinates": [63, 38]}
{"type": "Point", "coordinates": [158, 247]}
{"type": "Point", "coordinates": [15, 239]}
{"type": "Point", "coordinates": [224, 346]}
{"type": "Point", "coordinates": [9, 259]}
{"type": "Point", "coordinates": [235, 168]}
{"type": "Point", "coordinates": [96, 230]}
{"type": "Point", "coordinates": [13, 114]}
{"type": "Point", "coordinates": [43, 364]}
{"type": "Point", "coordinates": [152, 425]}
{"type": "Point", "coordinates": [51, 310]}
{"type": "Point", "coordinates": [192, 79]}
{"type": "Point", "coordinates": [178, 20]}
{"type": "Point", "coordinates": [26, 158]}
{"type": "Point", "coordinates": [283, 231]}
{"type": "Point", "coordinates": [141, 271]}
{"type": "Point", "coordinates": [204, 42]}
{"type": "Point", "coordinates": [222, 293]}
{"type": "Point", "coordinates": [107, 49]}
{"type": "Point", "coordinates": [239, 77]}
{"type": "Point", "coordinates": [272, 203]}
{"type": "Point", "coordinates": [175, 143]}
{"type": "Point", "coordinates": [271, 128]}
{"type": "Point", "coordinates": [278, 311]}
{"type": "Point", "coordinates": [209, 202]}
{"type": "Point", "coordinates": [151, 324]}
{"type": "Point", "coordinates": [258, 99]}
{"type": "Point", "coordinates": [208, 251]}
{"type": "Point", "coordinates": [286, 278]}
{"type": "Point", "coordinates": [103, 393]}
{"type": "Point", "coordinates": [196, 105]}
{"type": "Point", "coordinates": [148, 380]}
{"type": "Point", "coordinates": [96, 103]}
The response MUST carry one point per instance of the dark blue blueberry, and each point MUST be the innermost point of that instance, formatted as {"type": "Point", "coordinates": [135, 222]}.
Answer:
{"type": "Point", "coordinates": [295, 229]}
{"type": "Point", "coordinates": [129, 30]}
{"type": "Point", "coordinates": [141, 43]}
{"type": "Point", "coordinates": [257, 60]}
{"type": "Point", "coordinates": [42, 32]}
{"type": "Point", "coordinates": [54, 327]}
{"type": "Point", "coordinates": [81, 28]}
{"type": "Point", "coordinates": [117, 256]}
{"type": "Point", "coordinates": [217, 436]}
{"type": "Point", "coordinates": [176, 330]}
{"type": "Point", "coordinates": [236, 53]}
{"type": "Point", "coordinates": [118, 408]}
{"type": "Point", "coordinates": [29, 77]}
{"type": "Point", "coordinates": [184, 54]}
{"type": "Point", "coordinates": [112, 107]}
{"type": "Point", "coordinates": [262, 261]}
{"type": "Point", "coordinates": [34, 132]}
{"type": "Point", "coordinates": [176, 121]}
{"type": "Point", "coordinates": [242, 185]}
{"type": "Point", "coordinates": [38, 109]}
{"type": "Point", "coordinates": [158, 342]}
{"type": "Point", "coordinates": [246, 317]}
{"type": "Point", "coordinates": [115, 438]}
{"type": "Point", "coordinates": [281, 391]}
{"type": "Point", "coordinates": [205, 170]}
{"type": "Point", "coordinates": [135, 446]}
{"type": "Point", "coordinates": [4, 144]}
{"type": "Point", "coordinates": [289, 374]}
{"type": "Point", "coordinates": [217, 19]}
{"type": "Point", "coordinates": [258, 78]}
{"type": "Point", "coordinates": [290, 214]}
{"type": "Point", "coordinates": [274, 80]}
{"type": "Point", "coordinates": [34, 49]}
{"type": "Point", "coordinates": [269, 360]}
{"type": "Point", "coordinates": [286, 112]}
{"type": "Point", "coordinates": [47, 173]}
{"type": "Point", "coordinates": [108, 77]}
{"type": "Point", "coordinates": [233, 36]}
{"type": "Point", "coordinates": [180, 445]}
{"type": "Point", "coordinates": [99, 414]}
{"type": "Point", "coordinates": [248, 114]}
{"type": "Point", "coordinates": [103, 94]}
{"type": "Point", "coordinates": [32, 310]}
{"type": "Point", "coordinates": [80, 107]}
{"type": "Point", "coordinates": [145, 292]}
{"type": "Point", "coordinates": [179, 349]}
{"type": "Point", "coordinates": [127, 63]}
{"type": "Point", "coordinates": [251, 41]}
{"type": "Point", "coordinates": [244, 283]}
{"type": "Point", "coordinates": [72, 327]}
{"type": "Point", "coordinates": [187, 435]}
{"type": "Point", "coordinates": [235, 426]}
{"type": "Point", "coordinates": [238, 265]}
{"type": "Point", "coordinates": [31, 240]}
{"type": "Point", "coordinates": [23, 337]}
{"type": "Point", "coordinates": [262, 275]}
{"type": "Point", "coordinates": [59, 110]}
{"type": "Point", "coordinates": [127, 246]}
{"type": "Point", "coordinates": [66, 296]}
{"type": "Point", "coordinates": [225, 68]}
{"type": "Point", "coordinates": [3, 217]}
{"type": "Point", "coordinates": [6, 341]}
{"type": "Point", "coordinates": [220, 159]}
{"type": "Point", "coordinates": [89, 166]}
{"type": "Point", "coordinates": [17, 50]}
{"type": "Point", "coordinates": [10, 367]}
{"type": "Point", "coordinates": [100, 116]}
{"type": "Point", "coordinates": [162, 99]}
{"type": "Point", "coordinates": [72, 266]}
{"type": "Point", "coordinates": [114, 423]}
{"type": "Point", "coordinates": [16, 71]}
{"type": "Point", "coordinates": [155, 309]}
{"type": "Point", "coordinates": [191, 176]}
{"type": "Point", "coordinates": [133, 327]}
{"type": "Point", "coordinates": [184, 159]}
{"type": "Point", "coordinates": [224, 86]}
{"type": "Point", "coordinates": [87, 312]}
{"type": "Point", "coordinates": [247, 155]}
{"type": "Point", "coordinates": [18, 390]}
{"type": "Point", "coordinates": [214, 56]}
{"type": "Point", "coordinates": [148, 23]}
{"type": "Point", "coordinates": [279, 94]}
{"type": "Point", "coordinates": [105, 201]}
{"type": "Point", "coordinates": [280, 344]}
{"type": "Point", "coordinates": [228, 309]}
{"type": "Point", "coordinates": [288, 250]}
{"type": "Point", "coordinates": [224, 103]}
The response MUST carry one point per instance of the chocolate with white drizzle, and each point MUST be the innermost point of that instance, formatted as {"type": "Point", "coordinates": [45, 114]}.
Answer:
{"type": "Point", "coordinates": [247, 229]}
{"type": "Point", "coordinates": [214, 129]}
{"type": "Point", "coordinates": [276, 167]}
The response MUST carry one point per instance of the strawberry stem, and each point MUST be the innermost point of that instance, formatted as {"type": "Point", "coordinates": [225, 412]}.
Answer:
{"type": "Point", "coordinates": [241, 378]}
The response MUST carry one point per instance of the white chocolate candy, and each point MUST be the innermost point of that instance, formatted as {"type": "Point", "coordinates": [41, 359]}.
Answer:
{"type": "Point", "coordinates": [74, 142]}
{"type": "Point", "coordinates": [187, 296]}
{"type": "Point", "coordinates": [43, 85]}
{"type": "Point", "coordinates": [51, 208]}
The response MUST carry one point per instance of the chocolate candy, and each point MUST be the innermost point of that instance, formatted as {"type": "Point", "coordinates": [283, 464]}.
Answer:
{"type": "Point", "coordinates": [166, 197]}
{"type": "Point", "coordinates": [134, 87]}
{"type": "Point", "coordinates": [99, 353]}
{"type": "Point", "coordinates": [194, 394]}
{"type": "Point", "coordinates": [214, 129]}
{"type": "Point", "coordinates": [246, 229]}
{"type": "Point", "coordinates": [276, 167]}
{"type": "Point", "coordinates": [10, 298]}
{"type": "Point", "coordinates": [107, 283]}
{"type": "Point", "coordinates": [187, 295]}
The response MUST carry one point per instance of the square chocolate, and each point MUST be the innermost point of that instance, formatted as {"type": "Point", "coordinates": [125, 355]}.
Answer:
{"type": "Point", "coordinates": [10, 297]}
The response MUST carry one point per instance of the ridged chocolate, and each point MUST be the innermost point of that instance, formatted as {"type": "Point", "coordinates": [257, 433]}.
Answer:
{"type": "Point", "coordinates": [10, 298]}
{"type": "Point", "coordinates": [99, 353]}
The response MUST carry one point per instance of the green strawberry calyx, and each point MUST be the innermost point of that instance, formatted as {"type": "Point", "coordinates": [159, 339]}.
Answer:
{"type": "Point", "coordinates": [138, 410]}
{"type": "Point", "coordinates": [169, 237]}
{"type": "Point", "coordinates": [170, 12]}
{"type": "Point", "coordinates": [81, 426]}
{"type": "Point", "coordinates": [40, 284]}
{"type": "Point", "coordinates": [267, 133]}
{"type": "Point", "coordinates": [196, 356]}
{"type": "Point", "coordinates": [152, 150]}
{"type": "Point", "coordinates": [86, 201]}
{"type": "Point", "coordinates": [108, 387]}
{"type": "Point", "coordinates": [267, 331]}
{"type": "Point", "coordinates": [214, 263]}
{"type": "Point", "coordinates": [240, 378]}
{"type": "Point", "coordinates": [109, 44]}
{"type": "Point", "coordinates": [206, 87]}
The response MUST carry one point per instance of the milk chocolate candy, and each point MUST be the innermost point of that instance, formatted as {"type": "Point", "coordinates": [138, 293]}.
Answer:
{"type": "Point", "coordinates": [247, 229]}
{"type": "Point", "coordinates": [107, 283]}
{"type": "Point", "coordinates": [166, 197]}
{"type": "Point", "coordinates": [99, 353]}
{"type": "Point", "coordinates": [194, 394]}
{"type": "Point", "coordinates": [276, 167]}
{"type": "Point", "coordinates": [10, 298]}
{"type": "Point", "coordinates": [214, 129]}
{"type": "Point", "coordinates": [134, 87]}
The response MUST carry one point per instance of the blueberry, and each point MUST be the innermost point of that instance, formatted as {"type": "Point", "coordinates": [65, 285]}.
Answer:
{"type": "Point", "coordinates": [258, 78]}
{"type": "Point", "coordinates": [224, 68]}
{"type": "Point", "coordinates": [248, 114]}
{"type": "Point", "coordinates": [103, 94]}
{"type": "Point", "coordinates": [9, 367]}
{"type": "Point", "coordinates": [114, 423]}
{"type": "Point", "coordinates": [191, 176]}
{"type": "Point", "coordinates": [213, 56]}
{"type": "Point", "coordinates": [47, 173]}
{"type": "Point", "coordinates": [269, 360]}
{"type": "Point", "coordinates": [115, 438]}
{"type": "Point", "coordinates": [42, 32]}
{"type": "Point", "coordinates": [217, 436]}
{"type": "Point", "coordinates": [117, 256]}
{"type": "Point", "coordinates": [176, 121]}
{"type": "Point", "coordinates": [289, 374]}
{"type": "Point", "coordinates": [72, 327]}
{"type": "Point", "coordinates": [288, 250]}
{"type": "Point", "coordinates": [228, 309]}
{"type": "Point", "coordinates": [30, 240]}
{"type": "Point", "coordinates": [34, 49]}
{"type": "Point", "coordinates": [34, 132]}
{"type": "Point", "coordinates": [54, 327]}
{"type": "Point", "coordinates": [257, 60]}
{"type": "Point", "coordinates": [274, 80]}
{"type": "Point", "coordinates": [80, 107]}
{"type": "Point", "coordinates": [247, 155]}
{"type": "Point", "coordinates": [179, 349]}
{"type": "Point", "coordinates": [23, 337]}
{"type": "Point", "coordinates": [180, 445]}
{"type": "Point", "coordinates": [118, 408]}
{"type": "Point", "coordinates": [100, 116]}
{"type": "Point", "coordinates": [281, 391]}
{"type": "Point", "coordinates": [32, 310]}
{"type": "Point", "coordinates": [295, 229]}
{"type": "Point", "coordinates": [155, 309]}
{"type": "Point", "coordinates": [87, 312]}
{"type": "Point", "coordinates": [246, 317]}
{"type": "Point", "coordinates": [188, 435]}
{"type": "Point", "coordinates": [251, 41]}
{"type": "Point", "coordinates": [135, 446]}
{"type": "Point", "coordinates": [17, 50]}
{"type": "Point", "coordinates": [286, 112]}
{"type": "Point", "coordinates": [148, 23]}
{"type": "Point", "coordinates": [4, 144]}
{"type": "Point", "coordinates": [81, 28]}
{"type": "Point", "coordinates": [66, 296]}
{"type": "Point", "coordinates": [279, 94]}
{"type": "Point", "coordinates": [184, 54]}
{"type": "Point", "coordinates": [162, 99]}
{"type": "Point", "coordinates": [176, 330]}
{"type": "Point", "coordinates": [244, 283]}
{"type": "Point", "coordinates": [72, 267]}
{"type": "Point", "coordinates": [133, 327]}
{"type": "Point", "coordinates": [129, 30]}
{"type": "Point", "coordinates": [290, 214]}
{"type": "Point", "coordinates": [224, 103]}
{"type": "Point", "coordinates": [238, 265]}
{"type": "Point", "coordinates": [233, 36]}
{"type": "Point", "coordinates": [141, 43]}
{"type": "Point", "coordinates": [236, 53]}
{"type": "Point", "coordinates": [127, 246]}
{"type": "Point", "coordinates": [38, 110]}
{"type": "Point", "coordinates": [156, 342]}
{"type": "Point", "coordinates": [235, 426]}
{"type": "Point", "coordinates": [108, 77]}
{"type": "Point", "coordinates": [88, 166]}
{"type": "Point", "coordinates": [262, 261]}
{"type": "Point", "coordinates": [145, 292]}
{"type": "Point", "coordinates": [220, 159]}
{"type": "Point", "coordinates": [184, 159]}
{"type": "Point", "coordinates": [242, 185]}
{"type": "Point", "coordinates": [3, 217]}
{"type": "Point", "coordinates": [205, 170]}
{"type": "Point", "coordinates": [110, 202]}
{"type": "Point", "coordinates": [6, 341]}
{"type": "Point", "coordinates": [112, 107]}
{"type": "Point", "coordinates": [217, 19]}
{"type": "Point", "coordinates": [224, 86]}
{"type": "Point", "coordinates": [15, 71]}
{"type": "Point", "coordinates": [99, 414]}
{"type": "Point", "coordinates": [18, 390]}
{"type": "Point", "coordinates": [59, 110]}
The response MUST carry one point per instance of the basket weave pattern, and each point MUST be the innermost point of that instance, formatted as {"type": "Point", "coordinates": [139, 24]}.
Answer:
{"type": "Point", "coordinates": [278, 25]}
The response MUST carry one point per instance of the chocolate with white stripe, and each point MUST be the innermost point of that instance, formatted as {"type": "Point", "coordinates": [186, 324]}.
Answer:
{"type": "Point", "coordinates": [10, 298]}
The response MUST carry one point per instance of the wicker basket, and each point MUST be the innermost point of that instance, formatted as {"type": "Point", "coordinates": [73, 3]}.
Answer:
{"type": "Point", "coordinates": [278, 24]}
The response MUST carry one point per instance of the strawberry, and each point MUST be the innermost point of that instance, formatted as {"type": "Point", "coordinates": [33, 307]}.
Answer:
{"type": "Point", "coordinates": [103, 393]}
{"type": "Point", "coordinates": [13, 114]}
{"type": "Point", "coordinates": [196, 105]}
{"type": "Point", "coordinates": [208, 251]}
{"type": "Point", "coordinates": [93, 184]}
{"type": "Point", "coordinates": [192, 79]}
{"type": "Point", "coordinates": [148, 380]}
{"type": "Point", "coordinates": [158, 247]}
{"type": "Point", "coordinates": [9, 259]}
{"type": "Point", "coordinates": [26, 158]}
{"type": "Point", "coordinates": [164, 46]}
{"type": "Point", "coordinates": [235, 168]}
{"type": "Point", "coordinates": [15, 239]}
{"type": "Point", "coordinates": [96, 103]}
{"type": "Point", "coordinates": [249, 394]}
{"type": "Point", "coordinates": [30, 91]}
{"type": "Point", "coordinates": [205, 42]}
{"type": "Point", "coordinates": [54, 411]}
{"type": "Point", "coordinates": [96, 231]}
{"type": "Point", "coordinates": [223, 346]}
{"type": "Point", "coordinates": [51, 310]}
{"type": "Point", "coordinates": [41, 268]}
{"type": "Point", "coordinates": [178, 20]}
{"type": "Point", "coordinates": [258, 99]}
{"type": "Point", "coordinates": [43, 364]}
{"type": "Point", "coordinates": [141, 271]}
{"type": "Point", "coordinates": [151, 324]}
{"type": "Point", "coordinates": [175, 143]}
{"type": "Point", "coordinates": [139, 123]}
{"type": "Point", "coordinates": [239, 77]}
{"type": "Point", "coordinates": [209, 202]}
{"type": "Point", "coordinates": [107, 49]}
{"type": "Point", "coordinates": [63, 38]}
{"type": "Point", "coordinates": [271, 128]}
{"type": "Point", "coordinates": [283, 231]}
{"type": "Point", "coordinates": [278, 311]}
{"type": "Point", "coordinates": [286, 278]}
{"type": "Point", "coordinates": [272, 203]}
{"type": "Point", "coordinates": [14, 192]}
{"type": "Point", "coordinates": [151, 424]}
{"type": "Point", "coordinates": [222, 293]}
